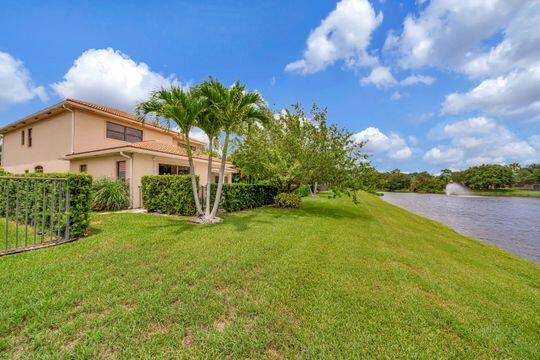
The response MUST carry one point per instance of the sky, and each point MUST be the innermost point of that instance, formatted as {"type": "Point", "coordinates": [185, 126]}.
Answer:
{"type": "Point", "coordinates": [427, 85]}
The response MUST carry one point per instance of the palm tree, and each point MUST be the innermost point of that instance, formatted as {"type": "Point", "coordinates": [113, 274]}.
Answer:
{"type": "Point", "coordinates": [183, 108]}
{"type": "Point", "coordinates": [234, 108]}
{"type": "Point", "coordinates": [211, 126]}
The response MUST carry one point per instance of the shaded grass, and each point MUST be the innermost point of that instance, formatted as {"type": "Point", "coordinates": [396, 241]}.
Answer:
{"type": "Point", "coordinates": [331, 279]}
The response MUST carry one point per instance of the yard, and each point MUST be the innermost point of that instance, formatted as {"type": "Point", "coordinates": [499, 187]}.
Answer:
{"type": "Point", "coordinates": [331, 279]}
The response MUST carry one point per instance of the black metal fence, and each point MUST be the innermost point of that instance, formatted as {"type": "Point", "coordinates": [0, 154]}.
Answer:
{"type": "Point", "coordinates": [35, 212]}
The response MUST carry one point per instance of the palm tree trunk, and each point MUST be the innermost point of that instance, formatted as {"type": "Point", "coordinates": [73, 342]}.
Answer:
{"type": "Point", "coordinates": [221, 175]}
{"type": "Point", "coordinates": [209, 180]}
{"type": "Point", "coordinates": [194, 184]}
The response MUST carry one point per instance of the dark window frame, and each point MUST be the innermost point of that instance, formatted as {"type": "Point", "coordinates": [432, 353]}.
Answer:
{"type": "Point", "coordinates": [83, 168]}
{"type": "Point", "coordinates": [172, 169]}
{"type": "Point", "coordinates": [30, 137]}
{"type": "Point", "coordinates": [22, 138]}
{"type": "Point", "coordinates": [118, 168]}
{"type": "Point", "coordinates": [123, 133]}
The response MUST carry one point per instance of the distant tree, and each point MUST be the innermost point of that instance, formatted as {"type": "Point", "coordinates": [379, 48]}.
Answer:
{"type": "Point", "coordinates": [427, 183]}
{"type": "Point", "coordinates": [529, 175]}
{"type": "Point", "coordinates": [395, 180]}
{"type": "Point", "coordinates": [488, 177]}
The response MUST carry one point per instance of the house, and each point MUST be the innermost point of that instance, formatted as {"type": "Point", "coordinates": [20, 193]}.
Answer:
{"type": "Point", "coordinates": [79, 136]}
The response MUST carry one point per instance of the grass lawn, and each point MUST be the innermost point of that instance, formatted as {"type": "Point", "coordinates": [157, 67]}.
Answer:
{"type": "Point", "coordinates": [509, 192]}
{"type": "Point", "coordinates": [15, 242]}
{"type": "Point", "coordinates": [329, 280]}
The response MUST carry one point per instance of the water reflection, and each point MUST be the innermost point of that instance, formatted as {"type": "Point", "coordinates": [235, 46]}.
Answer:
{"type": "Point", "coordinates": [512, 223]}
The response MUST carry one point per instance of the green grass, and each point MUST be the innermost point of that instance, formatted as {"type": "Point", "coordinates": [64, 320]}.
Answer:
{"type": "Point", "coordinates": [16, 242]}
{"type": "Point", "coordinates": [329, 280]}
{"type": "Point", "coordinates": [508, 192]}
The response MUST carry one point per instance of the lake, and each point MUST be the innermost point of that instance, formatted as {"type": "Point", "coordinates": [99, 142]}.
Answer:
{"type": "Point", "coordinates": [511, 223]}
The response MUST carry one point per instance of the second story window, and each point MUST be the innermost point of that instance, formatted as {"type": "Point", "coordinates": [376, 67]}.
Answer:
{"type": "Point", "coordinates": [29, 137]}
{"type": "Point", "coordinates": [124, 133]}
{"type": "Point", "coordinates": [22, 138]}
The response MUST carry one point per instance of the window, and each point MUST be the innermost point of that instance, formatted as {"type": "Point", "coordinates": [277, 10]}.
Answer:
{"type": "Point", "coordinates": [184, 146]}
{"type": "Point", "coordinates": [38, 169]}
{"type": "Point", "coordinates": [124, 133]}
{"type": "Point", "coordinates": [22, 138]}
{"type": "Point", "coordinates": [83, 168]}
{"type": "Point", "coordinates": [166, 169]}
{"type": "Point", "coordinates": [29, 137]}
{"type": "Point", "coordinates": [121, 170]}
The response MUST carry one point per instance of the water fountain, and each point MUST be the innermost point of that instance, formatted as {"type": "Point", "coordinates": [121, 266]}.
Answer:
{"type": "Point", "coordinates": [456, 189]}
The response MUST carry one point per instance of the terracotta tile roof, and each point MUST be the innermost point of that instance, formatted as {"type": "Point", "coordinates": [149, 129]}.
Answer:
{"type": "Point", "coordinates": [127, 116]}
{"type": "Point", "coordinates": [154, 145]}
{"type": "Point", "coordinates": [106, 109]}
{"type": "Point", "coordinates": [158, 146]}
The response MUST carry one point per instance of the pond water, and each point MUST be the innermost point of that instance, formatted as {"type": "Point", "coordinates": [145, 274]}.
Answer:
{"type": "Point", "coordinates": [511, 223]}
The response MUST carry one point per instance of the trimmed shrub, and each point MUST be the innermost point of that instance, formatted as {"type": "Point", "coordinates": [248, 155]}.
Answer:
{"type": "Point", "coordinates": [168, 194]}
{"type": "Point", "coordinates": [110, 195]}
{"type": "Point", "coordinates": [288, 200]}
{"type": "Point", "coordinates": [240, 196]}
{"type": "Point", "coordinates": [80, 188]}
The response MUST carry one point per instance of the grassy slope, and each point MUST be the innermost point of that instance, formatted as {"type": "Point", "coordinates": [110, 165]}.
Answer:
{"type": "Point", "coordinates": [509, 192]}
{"type": "Point", "coordinates": [329, 280]}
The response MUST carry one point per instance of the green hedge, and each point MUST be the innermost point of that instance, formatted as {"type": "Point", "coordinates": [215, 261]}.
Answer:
{"type": "Point", "coordinates": [172, 194]}
{"type": "Point", "coordinates": [240, 196]}
{"type": "Point", "coordinates": [79, 185]}
{"type": "Point", "coordinates": [168, 194]}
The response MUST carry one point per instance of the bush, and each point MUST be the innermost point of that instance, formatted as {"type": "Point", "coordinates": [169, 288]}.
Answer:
{"type": "Point", "coordinates": [168, 194]}
{"type": "Point", "coordinates": [80, 186]}
{"type": "Point", "coordinates": [288, 200]}
{"type": "Point", "coordinates": [240, 196]}
{"type": "Point", "coordinates": [303, 191]}
{"type": "Point", "coordinates": [110, 195]}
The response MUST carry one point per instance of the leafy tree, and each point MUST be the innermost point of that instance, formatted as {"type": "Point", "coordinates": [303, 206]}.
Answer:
{"type": "Point", "coordinates": [182, 108]}
{"type": "Point", "coordinates": [427, 183]}
{"type": "Point", "coordinates": [529, 175]}
{"type": "Point", "coordinates": [291, 150]}
{"type": "Point", "coordinates": [488, 177]}
{"type": "Point", "coordinates": [395, 180]}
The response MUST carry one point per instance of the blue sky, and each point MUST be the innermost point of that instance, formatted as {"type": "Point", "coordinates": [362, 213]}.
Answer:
{"type": "Point", "coordinates": [429, 84]}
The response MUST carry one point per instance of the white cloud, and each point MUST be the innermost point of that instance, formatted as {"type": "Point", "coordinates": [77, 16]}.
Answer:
{"type": "Point", "coordinates": [344, 34]}
{"type": "Point", "coordinates": [480, 140]}
{"type": "Point", "coordinates": [518, 49]}
{"type": "Point", "coordinates": [494, 41]}
{"type": "Point", "coordinates": [417, 79]}
{"type": "Point", "coordinates": [514, 95]}
{"type": "Point", "coordinates": [107, 76]}
{"type": "Point", "coordinates": [197, 134]}
{"type": "Point", "coordinates": [16, 85]}
{"type": "Point", "coordinates": [448, 32]}
{"type": "Point", "coordinates": [396, 95]}
{"type": "Point", "coordinates": [376, 142]}
{"type": "Point", "coordinates": [444, 155]}
{"type": "Point", "coordinates": [401, 154]}
{"type": "Point", "coordinates": [380, 76]}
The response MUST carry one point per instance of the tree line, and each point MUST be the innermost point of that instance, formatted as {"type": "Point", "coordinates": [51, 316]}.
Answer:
{"type": "Point", "coordinates": [483, 177]}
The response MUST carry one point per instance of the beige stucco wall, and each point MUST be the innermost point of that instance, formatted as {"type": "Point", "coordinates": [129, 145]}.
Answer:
{"type": "Point", "coordinates": [51, 140]}
{"type": "Point", "coordinates": [91, 132]}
